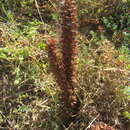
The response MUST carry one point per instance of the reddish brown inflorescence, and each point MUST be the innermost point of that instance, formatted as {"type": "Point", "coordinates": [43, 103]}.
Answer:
{"type": "Point", "coordinates": [68, 36]}
{"type": "Point", "coordinates": [63, 62]}
{"type": "Point", "coordinates": [57, 68]}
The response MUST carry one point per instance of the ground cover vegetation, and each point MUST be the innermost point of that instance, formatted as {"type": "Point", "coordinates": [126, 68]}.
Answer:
{"type": "Point", "coordinates": [81, 85]}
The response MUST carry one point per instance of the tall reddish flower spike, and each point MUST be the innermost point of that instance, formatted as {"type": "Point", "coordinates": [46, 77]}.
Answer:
{"type": "Point", "coordinates": [58, 71]}
{"type": "Point", "coordinates": [68, 37]}
{"type": "Point", "coordinates": [55, 61]}
{"type": "Point", "coordinates": [63, 64]}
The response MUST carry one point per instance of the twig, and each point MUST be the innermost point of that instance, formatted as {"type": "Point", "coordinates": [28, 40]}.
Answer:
{"type": "Point", "coordinates": [92, 122]}
{"type": "Point", "coordinates": [38, 10]}
{"type": "Point", "coordinates": [111, 69]}
{"type": "Point", "coordinates": [53, 5]}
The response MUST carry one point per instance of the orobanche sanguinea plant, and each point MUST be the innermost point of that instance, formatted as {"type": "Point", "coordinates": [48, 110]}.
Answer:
{"type": "Point", "coordinates": [63, 59]}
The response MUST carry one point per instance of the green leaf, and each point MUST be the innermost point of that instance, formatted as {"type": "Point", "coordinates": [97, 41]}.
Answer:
{"type": "Point", "coordinates": [42, 45]}
{"type": "Point", "coordinates": [126, 114]}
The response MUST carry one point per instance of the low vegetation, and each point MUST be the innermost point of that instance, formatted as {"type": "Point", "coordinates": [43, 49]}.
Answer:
{"type": "Point", "coordinates": [30, 97]}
